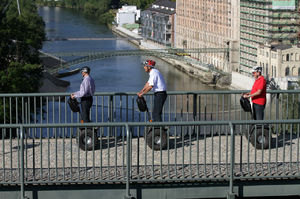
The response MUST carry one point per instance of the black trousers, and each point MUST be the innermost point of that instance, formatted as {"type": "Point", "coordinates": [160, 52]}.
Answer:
{"type": "Point", "coordinates": [258, 111]}
{"type": "Point", "coordinates": [86, 104]}
{"type": "Point", "coordinates": [159, 100]}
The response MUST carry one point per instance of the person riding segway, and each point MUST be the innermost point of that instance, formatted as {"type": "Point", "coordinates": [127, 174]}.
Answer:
{"type": "Point", "coordinates": [259, 135]}
{"type": "Point", "coordinates": [157, 138]}
{"type": "Point", "coordinates": [87, 137]}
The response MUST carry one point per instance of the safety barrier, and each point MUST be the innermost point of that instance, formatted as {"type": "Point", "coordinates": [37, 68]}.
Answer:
{"type": "Point", "coordinates": [194, 151]}
{"type": "Point", "coordinates": [50, 108]}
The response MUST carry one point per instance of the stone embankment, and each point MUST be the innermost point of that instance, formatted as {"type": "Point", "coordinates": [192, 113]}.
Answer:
{"type": "Point", "coordinates": [188, 65]}
{"type": "Point", "coordinates": [49, 82]}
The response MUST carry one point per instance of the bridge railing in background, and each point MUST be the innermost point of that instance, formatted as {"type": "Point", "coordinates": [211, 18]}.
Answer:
{"type": "Point", "coordinates": [51, 108]}
{"type": "Point", "coordinates": [208, 150]}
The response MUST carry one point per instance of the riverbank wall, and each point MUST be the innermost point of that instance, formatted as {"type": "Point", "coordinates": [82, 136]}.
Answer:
{"type": "Point", "coordinates": [51, 83]}
{"type": "Point", "coordinates": [193, 69]}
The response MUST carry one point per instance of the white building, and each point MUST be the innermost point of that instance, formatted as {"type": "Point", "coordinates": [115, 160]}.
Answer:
{"type": "Point", "coordinates": [281, 62]}
{"type": "Point", "coordinates": [127, 15]}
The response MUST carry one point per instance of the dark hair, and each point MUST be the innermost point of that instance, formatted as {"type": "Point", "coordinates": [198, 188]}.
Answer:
{"type": "Point", "coordinates": [86, 69]}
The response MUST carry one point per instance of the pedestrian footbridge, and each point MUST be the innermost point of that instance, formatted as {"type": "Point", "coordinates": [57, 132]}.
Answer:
{"type": "Point", "coordinates": [213, 149]}
{"type": "Point", "coordinates": [171, 53]}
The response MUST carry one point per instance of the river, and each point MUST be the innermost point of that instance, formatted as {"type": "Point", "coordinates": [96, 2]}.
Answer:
{"type": "Point", "coordinates": [117, 74]}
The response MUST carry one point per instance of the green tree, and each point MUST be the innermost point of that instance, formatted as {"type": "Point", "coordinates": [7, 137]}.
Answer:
{"type": "Point", "coordinates": [21, 37]}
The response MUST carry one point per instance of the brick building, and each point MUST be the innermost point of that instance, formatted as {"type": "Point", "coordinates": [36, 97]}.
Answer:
{"type": "Point", "coordinates": [207, 24]}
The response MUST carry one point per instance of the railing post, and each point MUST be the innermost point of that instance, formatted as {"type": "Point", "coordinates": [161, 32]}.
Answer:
{"type": "Point", "coordinates": [22, 163]}
{"type": "Point", "coordinates": [194, 111]}
{"type": "Point", "coordinates": [128, 159]}
{"type": "Point", "coordinates": [277, 111]}
{"type": "Point", "coordinates": [110, 114]}
{"type": "Point", "coordinates": [231, 194]}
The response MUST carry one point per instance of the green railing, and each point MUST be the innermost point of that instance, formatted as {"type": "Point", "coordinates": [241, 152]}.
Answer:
{"type": "Point", "coordinates": [208, 151]}
{"type": "Point", "coordinates": [206, 136]}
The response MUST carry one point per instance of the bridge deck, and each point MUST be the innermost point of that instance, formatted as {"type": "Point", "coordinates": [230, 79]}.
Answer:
{"type": "Point", "coordinates": [60, 160]}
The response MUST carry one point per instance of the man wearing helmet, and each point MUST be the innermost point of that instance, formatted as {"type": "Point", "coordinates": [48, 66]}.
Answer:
{"type": "Point", "coordinates": [157, 84]}
{"type": "Point", "coordinates": [258, 93]}
{"type": "Point", "coordinates": [86, 92]}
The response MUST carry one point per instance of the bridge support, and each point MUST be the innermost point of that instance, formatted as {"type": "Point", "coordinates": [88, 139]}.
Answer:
{"type": "Point", "coordinates": [231, 196]}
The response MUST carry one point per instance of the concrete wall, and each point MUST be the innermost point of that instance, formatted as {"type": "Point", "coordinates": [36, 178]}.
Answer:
{"type": "Point", "coordinates": [241, 82]}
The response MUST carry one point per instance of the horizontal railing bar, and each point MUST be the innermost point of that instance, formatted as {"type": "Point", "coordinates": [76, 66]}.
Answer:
{"type": "Point", "coordinates": [73, 181]}
{"type": "Point", "coordinates": [179, 123]}
{"type": "Point", "coordinates": [266, 177]}
{"type": "Point", "coordinates": [134, 93]}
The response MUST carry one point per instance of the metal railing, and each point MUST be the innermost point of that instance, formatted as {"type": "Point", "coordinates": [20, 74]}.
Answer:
{"type": "Point", "coordinates": [208, 138]}
{"type": "Point", "coordinates": [51, 108]}
{"type": "Point", "coordinates": [195, 151]}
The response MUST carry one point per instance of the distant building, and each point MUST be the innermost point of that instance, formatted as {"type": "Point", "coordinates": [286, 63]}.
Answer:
{"type": "Point", "coordinates": [281, 62]}
{"type": "Point", "coordinates": [158, 22]}
{"type": "Point", "coordinates": [127, 15]}
{"type": "Point", "coordinates": [264, 23]}
{"type": "Point", "coordinates": [208, 24]}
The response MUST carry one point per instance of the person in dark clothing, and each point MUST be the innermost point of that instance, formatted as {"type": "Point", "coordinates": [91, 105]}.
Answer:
{"type": "Point", "coordinates": [258, 94]}
{"type": "Point", "coordinates": [86, 92]}
{"type": "Point", "coordinates": [156, 83]}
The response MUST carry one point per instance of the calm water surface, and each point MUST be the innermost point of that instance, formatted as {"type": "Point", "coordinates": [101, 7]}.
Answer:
{"type": "Point", "coordinates": [118, 74]}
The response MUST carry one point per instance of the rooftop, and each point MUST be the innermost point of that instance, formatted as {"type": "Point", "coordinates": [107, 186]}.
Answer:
{"type": "Point", "coordinates": [163, 6]}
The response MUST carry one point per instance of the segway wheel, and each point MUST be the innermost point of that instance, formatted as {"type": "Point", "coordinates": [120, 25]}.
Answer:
{"type": "Point", "coordinates": [156, 140]}
{"type": "Point", "coordinates": [87, 139]}
{"type": "Point", "coordinates": [259, 138]}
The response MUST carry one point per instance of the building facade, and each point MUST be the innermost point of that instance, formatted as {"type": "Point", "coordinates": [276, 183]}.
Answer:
{"type": "Point", "coordinates": [279, 61]}
{"type": "Point", "coordinates": [267, 22]}
{"type": "Point", "coordinates": [127, 15]}
{"type": "Point", "coordinates": [207, 24]}
{"type": "Point", "coordinates": [158, 21]}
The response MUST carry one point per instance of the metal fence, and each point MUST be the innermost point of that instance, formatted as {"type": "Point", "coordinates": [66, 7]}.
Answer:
{"type": "Point", "coordinates": [121, 107]}
{"type": "Point", "coordinates": [221, 153]}
{"type": "Point", "coordinates": [208, 137]}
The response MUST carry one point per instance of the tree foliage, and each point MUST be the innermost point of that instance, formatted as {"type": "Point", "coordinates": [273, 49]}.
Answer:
{"type": "Point", "coordinates": [21, 36]}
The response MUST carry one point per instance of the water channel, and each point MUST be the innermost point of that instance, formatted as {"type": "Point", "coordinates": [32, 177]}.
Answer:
{"type": "Point", "coordinates": [117, 74]}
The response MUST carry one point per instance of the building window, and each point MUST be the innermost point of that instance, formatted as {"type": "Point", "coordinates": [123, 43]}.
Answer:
{"type": "Point", "coordinates": [298, 72]}
{"type": "Point", "coordinates": [287, 57]}
{"type": "Point", "coordinates": [287, 71]}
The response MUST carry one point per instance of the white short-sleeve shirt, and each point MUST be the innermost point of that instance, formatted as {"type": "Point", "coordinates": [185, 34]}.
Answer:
{"type": "Point", "coordinates": [157, 81]}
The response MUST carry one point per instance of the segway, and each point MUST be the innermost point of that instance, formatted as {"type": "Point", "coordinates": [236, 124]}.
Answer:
{"type": "Point", "coordinates": [156, 139]}
{"type": "Point", "coordinates": [87, 137]}
{"type": "Point", "coordinates": [259, 134]}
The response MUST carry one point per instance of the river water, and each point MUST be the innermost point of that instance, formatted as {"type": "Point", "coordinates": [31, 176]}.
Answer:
{"type": "Point", "coordinates": [117, 74]}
